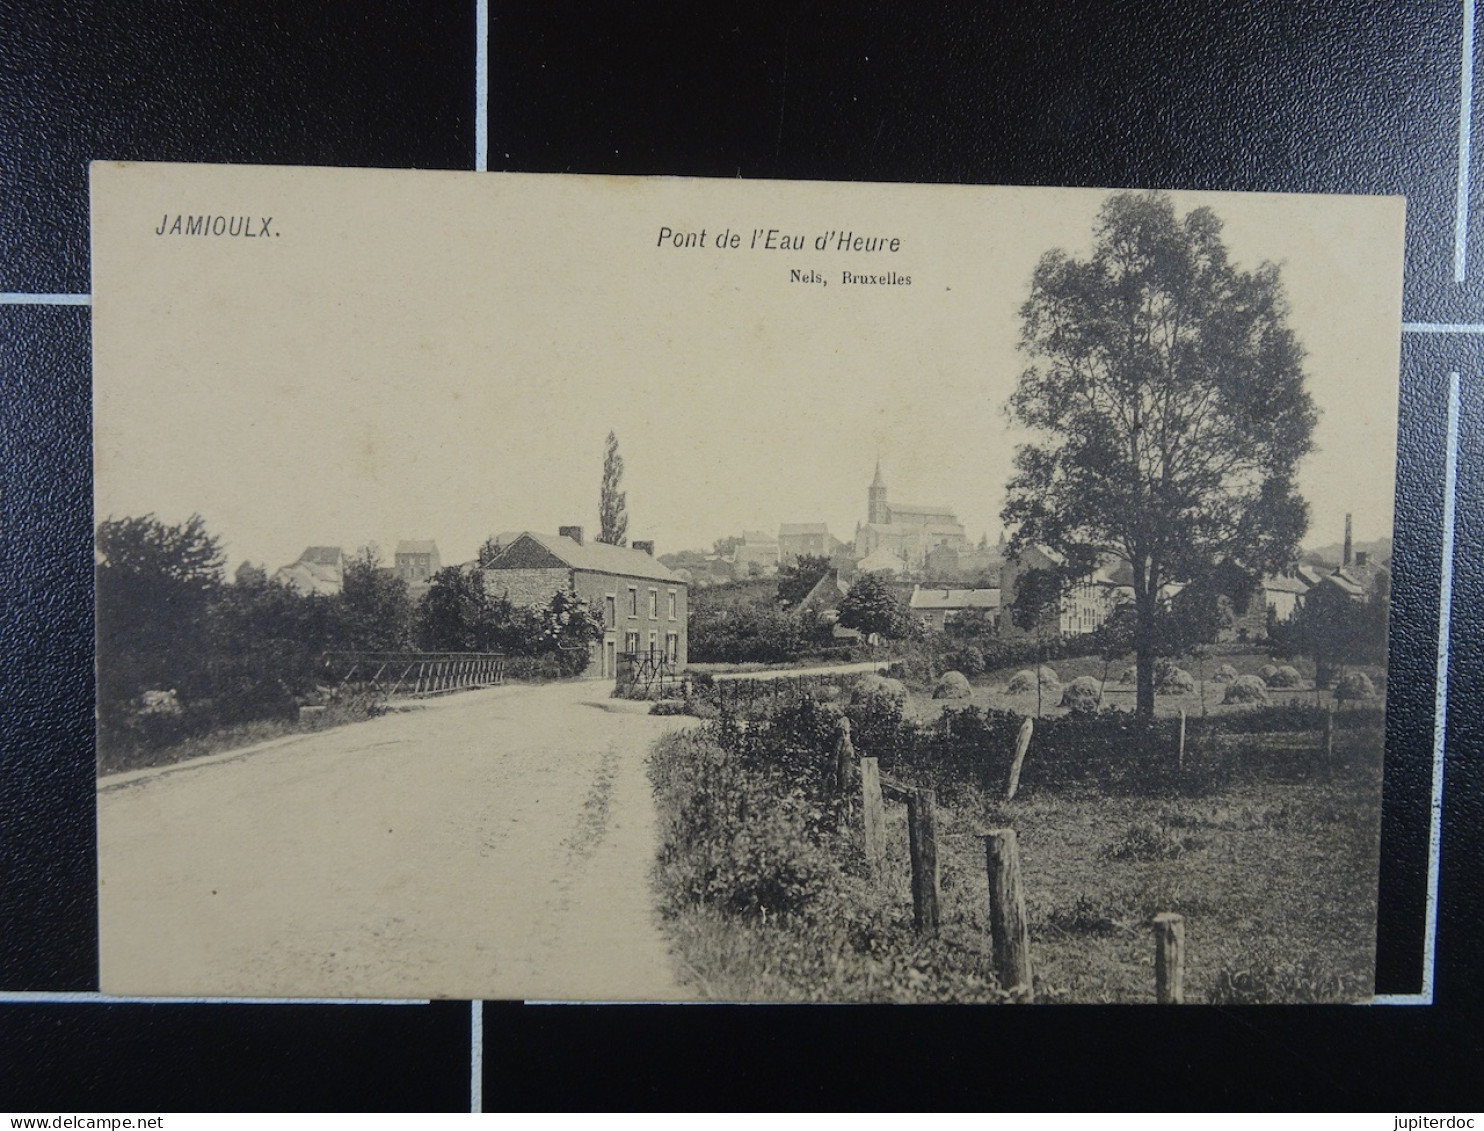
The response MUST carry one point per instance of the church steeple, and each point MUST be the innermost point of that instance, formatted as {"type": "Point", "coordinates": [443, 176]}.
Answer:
{"type": "Point", "coordinates": [876, 508]}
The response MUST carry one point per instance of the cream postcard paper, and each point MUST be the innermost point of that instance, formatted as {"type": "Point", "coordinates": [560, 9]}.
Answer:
{"type": "Point", "coordinates": [381, 721]}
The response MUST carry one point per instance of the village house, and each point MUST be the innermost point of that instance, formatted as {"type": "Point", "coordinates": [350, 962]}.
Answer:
{"type": "Point", "coordinates": [935, 607]}
{"type": "Point", "coordinates": [800, 539]}
{"type": "Point", "coordinates": [756, 554]}
{"type": "Point", "coordinates": [320, 570]}
{"type": "Point", "coordinates": [642, 603]}
{"type": "Point", "coordinates": [415, 562]}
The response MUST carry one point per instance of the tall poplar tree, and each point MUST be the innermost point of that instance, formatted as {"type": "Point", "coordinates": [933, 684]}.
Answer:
{"type": "Point", "coordinates": [613, 517]}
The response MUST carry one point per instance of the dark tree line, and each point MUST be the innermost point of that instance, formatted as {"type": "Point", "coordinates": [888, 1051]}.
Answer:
{"type": "Point", "coordinates": [170, 628]}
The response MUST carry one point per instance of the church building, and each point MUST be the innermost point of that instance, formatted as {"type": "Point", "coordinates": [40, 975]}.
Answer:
{"type": "Point", "coordinates": [905, 531]}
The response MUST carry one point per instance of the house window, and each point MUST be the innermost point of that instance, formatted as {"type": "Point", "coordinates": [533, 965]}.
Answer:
{"type": "Point", "coordinates": [654, 642]}
{"type": "Point", "coordinates": [654, 604]}
{"type": "Point", "coordinates": [631, 643]}
{"type": "Point", "coordinates": [610, 610]}
{"type": "Point", "coordinates": [672, 646]}
{"type": "Point", "coordinates": [633, 601]}
{"type": "Point", "coordinates": [672, 605]}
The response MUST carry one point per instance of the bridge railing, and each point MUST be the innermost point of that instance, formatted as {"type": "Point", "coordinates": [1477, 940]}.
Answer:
{"type": "Point", "coordinates": [414, 674]}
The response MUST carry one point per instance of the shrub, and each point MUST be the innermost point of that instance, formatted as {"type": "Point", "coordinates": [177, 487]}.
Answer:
{"type": "Point", "coordinates": [871, 686]}
{"type": "Point", "coordinates": [914, 665]}
{"type": "Point", "coordinates": [1224, 674]}
{"type": "Point", "coordinates": [877, 727]}
{"type": "Point", "coordinates": [669, 707]}
{"type": "Point", "coordinates": [952, 685]}
{"type": "Point", "coordinates": [1285, 676]}
{"type": "Point", "coordinates": [734, 839]}
{"type": "Point", "coordinates": [1355, 685]}
{"type": "Point", "coordinates": [1082, 694]}
{"type": "Point", "coordinates": [1175, 681]}
{"type": "Point", "coordinates": [1286, 983]}
{"type": "Point", "coordinates": [967, 659]}
{"type": "Point", "coordinates": [1246, 689]}
{"type": "Point", "coordinates": [1145, 842]}
{"type": "Point", "coordinates": [535, 668]}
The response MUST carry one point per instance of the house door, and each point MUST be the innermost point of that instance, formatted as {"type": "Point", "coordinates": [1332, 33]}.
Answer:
{"type": "Point", "coordinates": [610, 657]}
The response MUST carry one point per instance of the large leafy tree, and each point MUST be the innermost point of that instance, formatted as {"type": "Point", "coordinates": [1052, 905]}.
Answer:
{"type": "Point", "coordinates": [612, 502]}
{"type": "Point", "coordinates": [872, 605]}
{"type": "Point", "coordinates": [458, 615]}
{"type": "Point", "coordinates": [375, 607]}
{"type": "Point", "coordinates": [1168, 409]}
{"type": "Point", "coordinates": [155, 584]}
{"type": "Point", "coordinates": [799, 577]}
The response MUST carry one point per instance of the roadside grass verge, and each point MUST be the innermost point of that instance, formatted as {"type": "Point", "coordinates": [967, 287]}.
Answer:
{"type": "Point", "coordinates": [120, 756]}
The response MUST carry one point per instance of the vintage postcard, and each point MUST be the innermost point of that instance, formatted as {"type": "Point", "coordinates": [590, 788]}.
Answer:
{"type": "Point", "coordinates": [642, 589]}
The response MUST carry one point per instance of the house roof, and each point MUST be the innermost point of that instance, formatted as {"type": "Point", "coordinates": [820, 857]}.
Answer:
{"type": "Point", "coordinates": [913, 508]}
{"type": "Point", "coordinates": [597, 557]}
{"type": "Point", "coordinates": [307, 577]}
{"type": "Point", "coordinates": [758, 538]}
{"type": "Point", "coordinates": [951, 600]}
{"type": "Point", "coordinates": [796, 528]}
{"type": "Point", "coordinates": [827, 591]}
{"type": "Point", "coordinates": [1278, 583]}
{"type": "Point", "coordinates": [1308, 574]}
{"type": "Point", "coordinates": [1344, 582]}
{"type": "Point", "coordinates": [323, 555]}
{"type": "Point", "coordinates": [427, 546]}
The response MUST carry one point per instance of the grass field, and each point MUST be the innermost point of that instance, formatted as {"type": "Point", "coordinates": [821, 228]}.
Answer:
{"type": "Point", "coordinates": [1274, 868]}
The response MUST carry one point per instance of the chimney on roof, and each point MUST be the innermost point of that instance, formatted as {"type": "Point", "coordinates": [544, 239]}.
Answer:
{"type": "Point", "coordinates": [1346, 562]}
{"type": "Point", "coordinates": [647, 547]}
{"type": "Point", "coordinates": [572, 532]}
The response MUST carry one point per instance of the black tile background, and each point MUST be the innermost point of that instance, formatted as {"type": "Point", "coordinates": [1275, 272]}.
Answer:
{"type": "Point", "coordinates": [1274, 95]}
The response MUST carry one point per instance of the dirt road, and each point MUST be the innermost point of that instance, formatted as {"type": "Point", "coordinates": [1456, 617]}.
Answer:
{"type": "Point", "coordinates": [493, 844]}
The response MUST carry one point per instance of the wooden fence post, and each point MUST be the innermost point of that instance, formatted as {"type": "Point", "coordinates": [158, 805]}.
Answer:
{"type": "Point", "coordinates": [1169, 958]}
{"type": "Point", "coordinates": [1180, 754]}
{"type": "Point", "coordinates": [1022, 744]}
{"type": "Point", "coordinates": [873, 815]}
{"type": "Point", "coordinates": [922, 842]}
{"type": "Point", "coordinates": [1329, 735]}
{"type": "Point", "coordinates": [1009, 933]}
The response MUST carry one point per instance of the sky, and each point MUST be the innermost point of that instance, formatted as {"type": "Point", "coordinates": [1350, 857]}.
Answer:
{"type": "Point", "coordinates": [441, 355]}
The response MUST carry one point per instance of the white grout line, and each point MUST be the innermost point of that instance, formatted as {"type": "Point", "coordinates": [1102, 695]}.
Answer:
{"type": "Point", "coordinates": [476, 1057]}
{"type": "Point", "coordinates": [1465, 130]}
{"type": "Point", "coordinates": [93, 997]}
{"type": "Point", "coordinates": [481, 86]}
{"type": "Point", "coordinates": [1443, 327]}
{"type": "Point", "coordinates": [26, 298]}
{"type": "Point", "coordinates": [1440, 695]}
